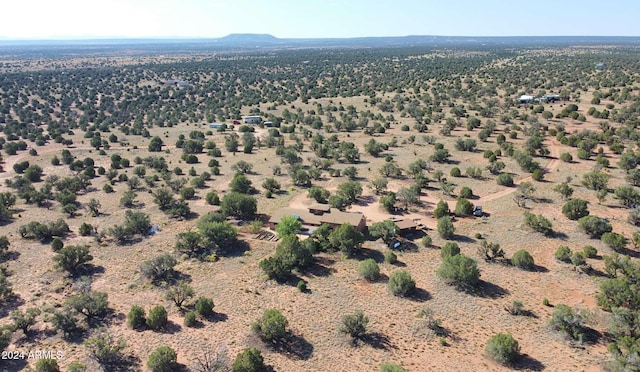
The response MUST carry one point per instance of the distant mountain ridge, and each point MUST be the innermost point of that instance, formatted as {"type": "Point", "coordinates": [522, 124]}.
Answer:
{"type": "Point", "coordinates": [248, 38]}
{"type": "Point", "coordinates": [267, 41]}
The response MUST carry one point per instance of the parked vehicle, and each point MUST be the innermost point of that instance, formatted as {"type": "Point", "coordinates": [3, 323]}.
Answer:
{"type": "Point", "coordinates": [477, 211]}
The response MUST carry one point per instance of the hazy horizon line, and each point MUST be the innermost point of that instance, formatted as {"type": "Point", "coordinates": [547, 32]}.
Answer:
{"type": "Point", "coordinates": [177, 37]}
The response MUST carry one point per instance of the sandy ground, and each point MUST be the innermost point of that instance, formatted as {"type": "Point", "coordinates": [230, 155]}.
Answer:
{"type": "Point", "coordinates": [241, 292]}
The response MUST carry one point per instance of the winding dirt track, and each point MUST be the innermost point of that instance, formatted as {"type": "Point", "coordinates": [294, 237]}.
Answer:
{"type": "Point", "coordinates": [554, 149]}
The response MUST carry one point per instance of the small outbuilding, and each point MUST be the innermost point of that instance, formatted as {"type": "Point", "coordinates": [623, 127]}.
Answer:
{"type": "Point", "coordinates": [319, 214]}
{"type": "Point", "coordinates": [525, 99]}
{"type": "Point", "coordinates": [252, 119]}
{"type": "Point", "coordinates": [405, 227]}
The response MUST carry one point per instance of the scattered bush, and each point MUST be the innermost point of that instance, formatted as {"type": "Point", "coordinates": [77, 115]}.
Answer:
{"type": "Point", "coordinates": [105, 350]}
{"type": "Point", "coordinates": [76, 366]}
{"type": "Point", "coordinates": [24, 320]}
{"type": "Point", "coordinates": [505, 179]}
{"type": "Point", "coordinates": [47, 365]}
{"type": "Point", "coordinates": [180, 293]}
{"type": "Point", "coordinates": [57, 244]}
{"type": "Point", "coordinates": [578, 259]}
{"type": "Point", "coordinates": [190, 319]}
{"type": "Point", "coordinates": [427, 241]}
{"type": "Point", "coordinates": [163, 359]}
{"type": "Point", "coordinates": [445, 227]}
{"type": "Point", "coordinates": [390, 257]}
{"type": "Point", "coordinates": [354, 325]}
{"type": "Point", "coordinates": [136, 317]}
{"type": "Point", "coordinates": [157, 318]}
{"type": "Point", "coordinates": [464, 207]}
{"type": "Point", "coordinates": [204, 306]}
{"type": "Point", "coordinates": [615, 241]}
{"type": "Point", "coordinates": [449, 249]}
{"type": "Point", "coordinates": [575, 209]}
{"type": "Point", "coordinates": [590, 251]}
{"type": "Point", "coordinates": [401, 284]}
{"type": "Point", "coordinates": [159, 268]}
{"type": "Point", "coordinates": [594, 226]}
{"type": "Point", "coordinates": [272, 327]}
{"type": "Point", "coordinates": [369, 270]}
{"type": "Point", "coordinates": [460, 270]}
{"type": "Point", "coordinates": [249, 360]}
{"type": "Point", "coordinates": [490, 251]}
{"type": "Point", "coordinates": [563, 253]}
{"type": "Point", "coordinates": [466, 193]}
{"type": "Point", "coordinates": [301, 286]}
{"type": "Point", "coordinates": [538, 223]}
{"type": "Point", "coordinates": [515, 308]}
{"type": "Point", "coordinates": [391, 367]}
{"type": "Point", "coordinates": [73, 258]}
{"type": "Point", "coordinates": [569, 321]}
{"type": "Point", "coordinates": [503, 348]}
{"type": "Point", "coordinates": [522, 259]}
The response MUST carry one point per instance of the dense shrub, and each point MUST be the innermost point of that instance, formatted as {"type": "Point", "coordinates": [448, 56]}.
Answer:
{"type": "Point", "coordinates": [272, 326]}
{"type": "Point", "coordinates": [163, 359]}
{"type": "Point", "coordinates": [575, 209]}
{"type": "Point", "coordinates": [73, 258]}
{"type": "Point", "coordinates": [569, 321]}
{"type": "Point", "coordinates": [390, 257]}
{"type": "Point", "coordinates": [401, 284]}
{"type": "Point", "coordinates": [523, 260]}
{"type": "Point", "coordinates": [449, 249]}
{"type": "Point", "coordinates": [578, 259]}
{"type": "Point", "coordinates": [566, 157]}
{"type": "Point", "coordinates": [204, 306]}
{"type": "Point", "coordinates": [460, 270]}
{"type": "Point", "coordinates": [426, 241]}
{"type": "Point", "coordinates": [249, 360]}
{"type": "Point", "coordinates": [47, 365]}
{"type": "Point", "coordinates": [157, 318]}
{"type": "Point", "coordinates": [466, 193]}
{"type": "Point", "coordinates": [538, 223]}
{"type": "Point", "coordinates": [190, 319]}
{"type": "Point", "coordinates": [369, 270]}
{"type": "Point", "coordinates": [159, 268]}
{"type": "Point", "coordinates": [615, 241]}
{"type": "Point", "coordinates": [354, 325]}
{"type": "Point", "coordinates": [505, 179]}
{"type": "Point", "coordinates": [391, 367]}
{"type": "Point", "coordinates": [57, 244]}
{"type": "Point", "coordinates": [503, 348]}
{"type": "Point", "coordinates": [445, 227]}
{"type": "Point", "coordinates": [563, 253]}
{"type": "Point", "coordinates": [464, 207]}
{"type": "Point", "coordinates": [441, 210]}
{"type": "Point", "coordinates": [594, 226]}
{"type": "Point", "coordinates": [136, 317]}
{"type": "Point", "coordinates": [590, 251]}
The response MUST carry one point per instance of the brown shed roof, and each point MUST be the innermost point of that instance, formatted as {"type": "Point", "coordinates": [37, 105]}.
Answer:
{"type": "Point", "coordinates": [320, 207]}
{"type": "Point", "coordinates": [406, 224]}
{"type": "Point", "coordinates": [333, 216]}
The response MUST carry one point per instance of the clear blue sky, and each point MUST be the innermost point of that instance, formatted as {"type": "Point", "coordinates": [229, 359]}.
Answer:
{"type": "Point", "coordinates": [47, 19]}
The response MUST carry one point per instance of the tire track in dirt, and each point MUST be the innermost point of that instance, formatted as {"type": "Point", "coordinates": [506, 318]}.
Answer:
{"type": "Point", "coordinates": [554, 149]}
